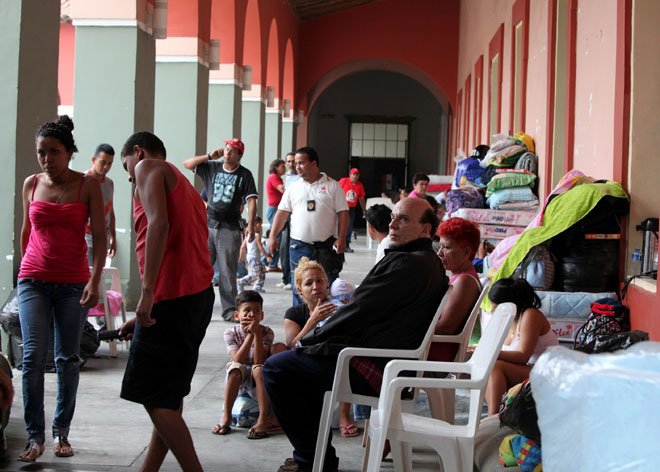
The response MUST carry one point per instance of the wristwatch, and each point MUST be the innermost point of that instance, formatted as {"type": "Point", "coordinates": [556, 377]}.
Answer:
{"type": "Point", "coordinates": [208, 157]}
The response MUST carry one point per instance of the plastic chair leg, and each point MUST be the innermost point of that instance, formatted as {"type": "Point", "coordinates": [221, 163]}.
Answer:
{"type": "Point", "coordinates": [324, 432]}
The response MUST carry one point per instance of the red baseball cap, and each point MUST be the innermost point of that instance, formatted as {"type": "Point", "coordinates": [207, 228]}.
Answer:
{"type": "Point", "coordinates": [237, 144]}
{"type": "Point", "coordinates": [354, 170]}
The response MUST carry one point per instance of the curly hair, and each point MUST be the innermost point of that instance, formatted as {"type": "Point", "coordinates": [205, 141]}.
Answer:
{"type": "Point", "coordinates": [306, 264]}
{"type": "Point", "coordinates": [62, 130]}
{"type": "Point", "coordinates": [464, 232]}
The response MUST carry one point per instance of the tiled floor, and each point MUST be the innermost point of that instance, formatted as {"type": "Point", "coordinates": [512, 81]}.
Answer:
{"type": "Point", "coordinates": [111, 434]}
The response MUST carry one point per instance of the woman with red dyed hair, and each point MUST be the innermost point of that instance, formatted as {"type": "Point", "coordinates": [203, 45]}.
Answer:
{"type": "Point", "coordinates": [459, 241]}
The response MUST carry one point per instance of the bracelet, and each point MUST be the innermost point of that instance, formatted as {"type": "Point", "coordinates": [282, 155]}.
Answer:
{"type": "Point", "coordinates": [208, 157]}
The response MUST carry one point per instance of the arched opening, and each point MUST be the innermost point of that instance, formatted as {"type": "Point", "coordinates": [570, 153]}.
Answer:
{"type": "Point", "coordinates": [273, 66]}
{"type": "Point", "coordinates": [252, 42]}
{"type": "Point", "coordinates": [385, 123]}
{"type": "Point", "coordinates": [288, 85]}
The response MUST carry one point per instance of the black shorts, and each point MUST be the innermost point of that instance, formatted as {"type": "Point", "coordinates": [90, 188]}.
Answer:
{"type": "Point", "coordinates": [163, 357]}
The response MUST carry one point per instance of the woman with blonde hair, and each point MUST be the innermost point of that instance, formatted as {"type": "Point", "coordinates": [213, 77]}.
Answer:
{"type": "Point", "coordinates": [312, 285]}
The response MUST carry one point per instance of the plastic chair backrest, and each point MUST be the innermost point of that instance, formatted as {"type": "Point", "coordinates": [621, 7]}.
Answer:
{"type": "Point", "coordinates": [491, 340]}
{"type": "Point", "coordinates": [463, 338]}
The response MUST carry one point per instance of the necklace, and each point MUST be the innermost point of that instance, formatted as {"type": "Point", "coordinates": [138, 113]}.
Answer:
{"type": "Point", "coordinates": [62, 193]}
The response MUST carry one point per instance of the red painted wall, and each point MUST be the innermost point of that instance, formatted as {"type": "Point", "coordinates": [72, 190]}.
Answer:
{"type": "Point", "coordinates": [66, 63]}
{"type": "Point", "coordinates": [644, 311]}
{"type": "Point", "coordinates": [420, 33]}
{"type": "Point", "coordinates": [189, 19]}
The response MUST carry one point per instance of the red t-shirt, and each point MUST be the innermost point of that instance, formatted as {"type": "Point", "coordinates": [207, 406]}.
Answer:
{"type": "Point", "coordinates": [274, 195]}
{"type": "Point", "coordinates": [353, 191]}
{"type": "Point", "coordinates": [186, 267]}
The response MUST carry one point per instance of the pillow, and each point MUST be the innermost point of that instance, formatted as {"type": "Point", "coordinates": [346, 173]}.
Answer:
{"type": "Point", "coordinates": [508, 180]}
{"type": "Point", "coordinates": [509, 195]}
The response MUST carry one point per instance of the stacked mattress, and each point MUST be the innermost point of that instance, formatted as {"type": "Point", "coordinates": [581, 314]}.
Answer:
{"type": "Point", "coordinates": [497, 224]}
{"type": "Point", "coordinates": [568, 311]}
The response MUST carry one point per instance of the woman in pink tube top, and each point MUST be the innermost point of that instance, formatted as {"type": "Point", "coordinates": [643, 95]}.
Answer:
{"type": "Point", "coordinates": [459, 241]}
{"type": "Point", "coordinates": [54, 283]}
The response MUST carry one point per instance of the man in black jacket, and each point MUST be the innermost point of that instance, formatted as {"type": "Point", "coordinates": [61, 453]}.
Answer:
{"type": "Point", "coordinates": [392, 308]}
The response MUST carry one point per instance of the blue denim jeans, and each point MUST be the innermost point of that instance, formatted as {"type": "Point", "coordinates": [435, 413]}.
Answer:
{"type": "Point", "coordinates": [270, 216]}
{"type": "Point", "coordinates": [40, 306]}
{"type": "Point", "coordinates": [351, 221]}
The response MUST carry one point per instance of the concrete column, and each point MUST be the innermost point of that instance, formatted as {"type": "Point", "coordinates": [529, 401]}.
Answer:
{"type": "Point", "coordinates": [288, 136]}
{"type": "Point", "coordinates": [113, 98]}
{"type": "Point", "coordinates": [29, 33]}
{"type": "Point", "coordinates": [252, 134]}
{"type": "Point", "coordinates": [181, 98]}
{"type": "Point", "coordinates": [224, 105]}
{"type": "Point", "coordinates": [272, 145]}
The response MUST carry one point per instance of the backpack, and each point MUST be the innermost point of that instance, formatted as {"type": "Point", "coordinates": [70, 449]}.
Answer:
{"type": "Point", "coordinates": [608, 317]}
{"type": "Point", "coordinates": [538, 268]}
{"type": "Point", "coordinates": [467, 172]}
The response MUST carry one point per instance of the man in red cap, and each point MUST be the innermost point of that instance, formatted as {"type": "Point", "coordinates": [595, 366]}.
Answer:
{"type": "Point", "coordinates": [354, 193]}
{"type": "Point", "coordinates": [228, 186]}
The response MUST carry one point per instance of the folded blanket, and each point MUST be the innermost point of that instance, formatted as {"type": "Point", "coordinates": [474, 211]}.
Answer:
{"type": "Point", "coordinates": [509, 195]}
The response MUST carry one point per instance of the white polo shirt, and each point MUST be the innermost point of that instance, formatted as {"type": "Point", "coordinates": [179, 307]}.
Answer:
{"type": "Point", "coordinates": [321, 223]}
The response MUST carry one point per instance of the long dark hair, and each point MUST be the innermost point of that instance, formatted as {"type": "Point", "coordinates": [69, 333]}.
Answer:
{"type": "Point", "coordinates": [516, 291]}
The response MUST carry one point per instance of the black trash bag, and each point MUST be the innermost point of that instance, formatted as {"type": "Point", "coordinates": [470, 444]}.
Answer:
{"type": "Point", "coordinates": [608, 317]}
{"type": "Point", "coordinates": [518, 411]}
{"type": "Point", "coordinates": [89, 341]}
{"type": "Point", "coordinates": [617, 341]}
{"type": "Point", "coordinates": [590, 265]}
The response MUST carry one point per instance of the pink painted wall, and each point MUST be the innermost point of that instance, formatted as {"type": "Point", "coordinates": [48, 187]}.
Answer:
{"type": "Point", "coordinates": [594, 87]}
{"type": "Point", "coordinates": [473, 42]}
{"type": "Point", "coordinates": [65, 66]}
{"type": "Point", "coordinates": [537, 81]}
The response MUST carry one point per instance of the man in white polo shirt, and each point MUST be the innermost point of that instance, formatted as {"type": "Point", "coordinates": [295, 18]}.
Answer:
{"type": "Point", "coordinates": [319, 218]}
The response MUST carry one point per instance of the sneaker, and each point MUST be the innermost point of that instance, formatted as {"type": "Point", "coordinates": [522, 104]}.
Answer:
{"type": "Point", "coordinates": [348, 249]}
{"type": "Point", "coordinates": [259, 290]}
{"type": "Point", "coordinates": [280, 285]}
{"type": "Point", "coordinates": [286, 287]}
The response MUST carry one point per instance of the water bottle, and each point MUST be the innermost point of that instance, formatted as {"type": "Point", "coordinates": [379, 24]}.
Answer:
{"type": "Point", "coordinates": [636, 258]}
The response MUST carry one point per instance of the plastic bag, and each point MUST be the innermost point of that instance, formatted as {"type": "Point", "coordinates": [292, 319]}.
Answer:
{"type": "Point", "coordinates": [538, 268]}
{"type": "Point", "coordinates": [599, 412]}
{"type": "Point", "coordinates": [615, 342]}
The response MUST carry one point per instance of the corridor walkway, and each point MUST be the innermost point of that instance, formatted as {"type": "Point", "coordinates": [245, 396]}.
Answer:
{"type": "Point", "coordinates": [110, 434]}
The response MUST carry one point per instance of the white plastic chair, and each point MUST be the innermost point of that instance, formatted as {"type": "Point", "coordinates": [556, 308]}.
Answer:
{"type": "Point", "coordinates": [453, 443]}
{"type": "Point", "coordinates": [377, 201]}
{"type": "Point", "coordinates": [442, 401]}
{"type": "Point", "coordinates": [341, 387]}
{"type": "Point", "coordinates": [103, 308]}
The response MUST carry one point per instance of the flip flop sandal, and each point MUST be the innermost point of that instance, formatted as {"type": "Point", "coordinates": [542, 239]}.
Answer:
{"type": "Point", "coordinates": [62, 443]}
{"type": "Point", "coordinates": [33, 450]}
{"type": "Point", "coordinates": [221, 429]}
{"type": "Point", "coordinates": [348, 430]}
{"type": "Point", "coordinates": [254, 434]}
